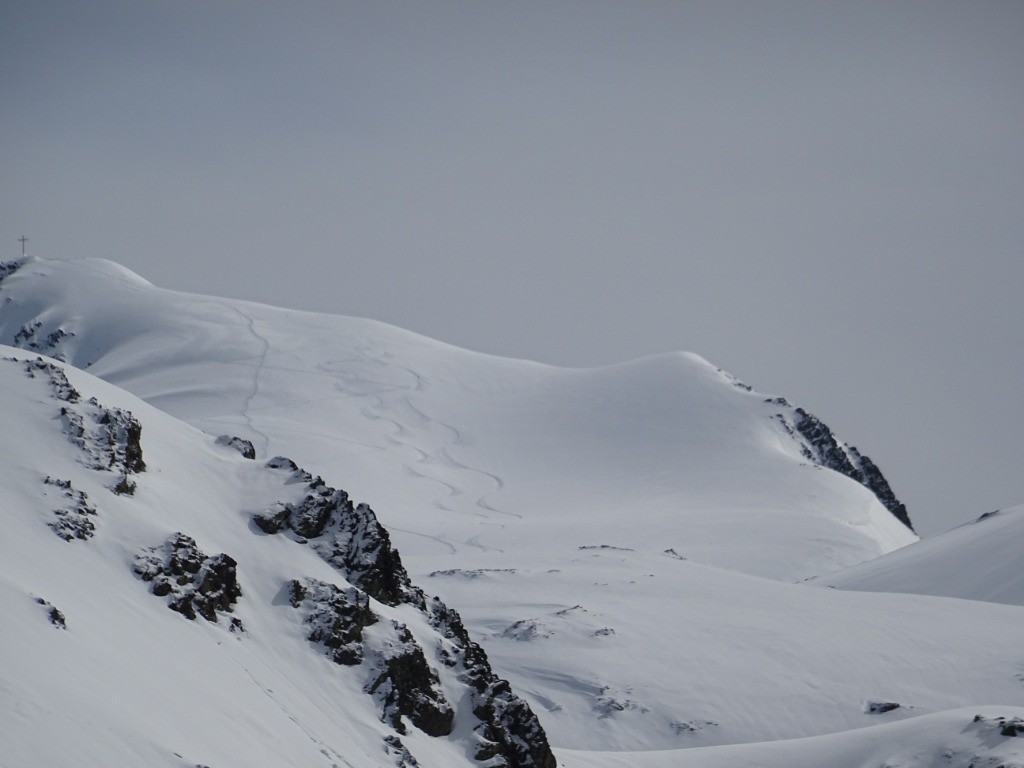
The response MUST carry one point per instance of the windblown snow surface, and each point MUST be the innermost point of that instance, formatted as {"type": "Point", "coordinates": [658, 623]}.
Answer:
{"type": "Point", "coordinates": [981, 560]}
{"type": "Point", "coordinates": [625, 543]}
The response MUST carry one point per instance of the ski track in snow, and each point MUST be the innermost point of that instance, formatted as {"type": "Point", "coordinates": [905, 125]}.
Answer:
{"type": "Point", "coordinates": [451, 547]}
{"type": "Point", "coordinates": [255, 384]}
{"type": "Point", "coordinates": [325, 750]}
{"type": "Point", "coordinates": [382, 398]}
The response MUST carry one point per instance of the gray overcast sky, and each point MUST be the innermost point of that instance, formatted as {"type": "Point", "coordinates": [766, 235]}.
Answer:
{"type": "Point", "coordinates": [825, 199]}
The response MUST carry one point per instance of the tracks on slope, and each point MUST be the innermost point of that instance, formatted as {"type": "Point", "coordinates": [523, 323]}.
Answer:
{"type": "Point", "coordinates": [254, 386]}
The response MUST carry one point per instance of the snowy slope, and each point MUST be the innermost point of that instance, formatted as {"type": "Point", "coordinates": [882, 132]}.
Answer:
{"type": "Point", "coordinates": [966, 738]}
{"type": "Point", "coordinates": [621, 541]}
{"type": "Point", "coordinates": [981, 560]}
{"type": "Point", "coordinates": [97, 670]}
{"type": "Point", "coordinates": [665, 450]}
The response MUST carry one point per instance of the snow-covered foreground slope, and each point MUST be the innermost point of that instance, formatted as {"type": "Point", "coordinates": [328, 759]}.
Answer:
{"type": "Point", "coordinates": [288, 649]}
{"type": "Point", "coordinates": [982, 560]}
{"type": "Point", "coordinates": [622, 541]}
{"type": "Point", "coordinates": [965, 738]}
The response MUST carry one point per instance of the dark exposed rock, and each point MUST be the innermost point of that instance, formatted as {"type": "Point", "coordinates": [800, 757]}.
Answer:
{"type": "Point", "coordinates": [470, 573]}
{"type": "Point", "coordinates": [74, 518]}
{"type": "Point", "coordinates": [403, 758]}
{"type": "Point", "coordinates": [349, 537]}
{"type": "Point", "coordinates": [244, 447]}
{"type": "Point", "coordinates": [406, 686]}
{"type": "Point", "coordinates": [55, 616]}
{"type": "Point", "coordinates": [399, 677]}
{"type": "Point", "coordinates": [124, 487]}
{"type": "Point", "coordinates": [8, 268]}
{"type": "Point", "coordinates": [509, 730]}
{"type": "Point", "coordinates": [109, 438]}
{"type": "Point", "coordinates": [821, 446]}
{"type": "Point", "coordinates": [336, 617]}
{"type": "Point", "coordinates": [59, 383]}
{"type": "Point", "coordinates": [346, 536]}
{"type": "Point", "coordinates": [692, 726]}
{"type": "Point", "coordinates": [879, 707]}
{"type": "Point", "coordinates": [26, 338]}
{"type": "Point", "coordinates": [57, 619]}
{"type": "Point", "coordinates": [1010, 727]}
{"type": "Point", "coordinates": [193, 582]}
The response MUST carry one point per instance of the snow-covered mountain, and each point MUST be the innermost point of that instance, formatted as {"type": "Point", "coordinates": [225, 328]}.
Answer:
{"type": "Point", "coordinates": [621, 542]}
{"type": "Point", "coordinates": [981, 560]}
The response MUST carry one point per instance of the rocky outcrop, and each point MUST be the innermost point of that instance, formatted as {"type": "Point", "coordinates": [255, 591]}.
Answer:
{"type": "Point", "coordinates": [59, 384]}
{"type": "Point", "coordinates": [405, 685]}
{"type": "Point", "coordinates": [394, 747]}
{"type": "Point", "coordinates": [819, 444]}
{"type": "Point", "coordinates": [29, 337]}
{"type": "Point", "coordinates": [345, 535]}
{"type": "Point", "coordinates": [110, 438]}
{"type": "Point", "coordinates": [398, 675]}
{"type": "Point", "coordinates": [55, 616]}
{"type": "Point", "coordinates": [8, 268]}
{"type": "Point", "coordinates": [336, 617]}
{"type": "Point", "coordinates": [75, 515]}
{"type": "Point", "coordinates": [244, 447]}
{"type": "Point", "coordinates": [194, 583]}
{"type": "Point", "coordinates": [1011, 727]}
{"type": "Point", "coordinates": [507, 734]}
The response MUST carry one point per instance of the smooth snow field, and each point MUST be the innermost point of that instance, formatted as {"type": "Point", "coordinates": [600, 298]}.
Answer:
{"type": "Point", "coordinates": [645, 551]}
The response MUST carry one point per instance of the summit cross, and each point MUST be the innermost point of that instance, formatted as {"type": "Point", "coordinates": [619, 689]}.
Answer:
{"type": "Point", "coordinates": [22, 240]}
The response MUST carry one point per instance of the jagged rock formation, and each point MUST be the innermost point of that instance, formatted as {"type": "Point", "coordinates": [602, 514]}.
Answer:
{"type": "Point", "coordinates": [193, 582]}
{"type": "Point", "coordinates": [28, 338]}
{"type": "Point", "coordinates": [405, 685]}
{"type": "Point", "coordinates": [59, 383]}
{"type": "Point", "coordinates": [819, 444]}
{"type": "Point", "coordinates": [402, 681]}
{"type": "Point", "coordinates": [75, 517]}
{"type": "Point", "coordinates": [244, 447]}
{"type": "Point", "coordinates": [336, 617]}
{"type": "Point", "coordinates": [109, 438]}
{"type": "Point", "coordinates": [346, 536]}
{"type": "Point", "coordinates": [403, 758]}
{"type": "Point", "coordinates": [508, 728]}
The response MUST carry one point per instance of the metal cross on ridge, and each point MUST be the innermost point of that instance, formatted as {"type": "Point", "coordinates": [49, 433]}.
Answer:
{"type": "Point", "coordinates": [22, 240]}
